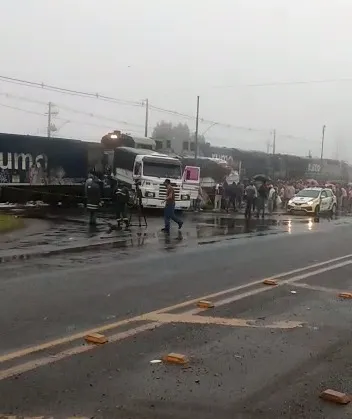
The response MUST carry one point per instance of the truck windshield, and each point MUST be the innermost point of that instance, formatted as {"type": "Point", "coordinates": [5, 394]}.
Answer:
{"type": "Point", "coordinates": [162, 170]}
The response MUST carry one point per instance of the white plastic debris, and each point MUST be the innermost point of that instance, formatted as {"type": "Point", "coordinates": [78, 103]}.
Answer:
{"type": "Point", "coordinates": [156, 361]}
{"type": "Point", "coordinates": [293, 292]}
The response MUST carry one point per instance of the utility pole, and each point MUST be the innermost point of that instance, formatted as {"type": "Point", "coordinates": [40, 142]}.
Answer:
{"type": "Point", "coordinates": [49, 120]}
{"type": "Point", "coordinates": [196, 133]}
{"type": "Point", "coordinates": [146, 118]}
{"type": "Point", "coordinates": [322, 145]}
{"type": "Point", "coordinates": [274, 141]}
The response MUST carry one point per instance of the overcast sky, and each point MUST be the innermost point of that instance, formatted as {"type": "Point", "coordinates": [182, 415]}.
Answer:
{"type": "Point", "coordinates": [170, 51]}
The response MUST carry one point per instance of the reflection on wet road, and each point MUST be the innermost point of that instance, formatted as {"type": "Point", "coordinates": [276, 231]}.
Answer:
{"type": "Point", "coordinates": [225, 225]}
{"type": "Point", "coordinates": [198, 229]}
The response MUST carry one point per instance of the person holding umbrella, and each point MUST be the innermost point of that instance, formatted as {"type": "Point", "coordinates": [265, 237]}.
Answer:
{"type": "Point", "coordinates": [261, 200]}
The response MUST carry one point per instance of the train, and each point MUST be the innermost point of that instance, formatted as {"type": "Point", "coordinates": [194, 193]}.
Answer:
{"type": "Point", "coordinates": [281, 166]}
{"type": "Point", "coordinates": [53, 170]}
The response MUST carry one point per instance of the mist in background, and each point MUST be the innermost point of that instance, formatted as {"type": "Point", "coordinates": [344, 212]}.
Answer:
{"type": "Point", "coordinates": [257, 65]}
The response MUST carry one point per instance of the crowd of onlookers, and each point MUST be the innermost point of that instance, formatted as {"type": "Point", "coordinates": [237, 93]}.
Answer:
{"type": "Point", "coordinates": [342, 191]}
{"type": "Point", "coordinates": [269, 194]}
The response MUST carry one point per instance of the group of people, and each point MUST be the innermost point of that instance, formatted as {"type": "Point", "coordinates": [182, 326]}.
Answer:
{"type": "Point", "coordinates": [342, 191]}
{"type": "Point", "coordinates": [121, 197]}
{"type": "Point", "coordinates": [93, 195]}
{"type": "Point", "coordinates": [274, 196]}
{"type": "Point", "coordinates": [255, 195]}
{"type": "Point", "coordinates": [228, 195]}
{"type": "Point", "coordinates": [343, 195]}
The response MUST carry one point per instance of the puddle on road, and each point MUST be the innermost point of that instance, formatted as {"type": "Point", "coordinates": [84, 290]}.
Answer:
{"type": "Point", "coordinates": [197, 230]}
{"type": "Point", "coordinates": [224, 226]}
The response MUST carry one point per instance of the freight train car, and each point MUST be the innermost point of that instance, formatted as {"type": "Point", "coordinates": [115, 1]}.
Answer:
{"type": "Point", "coordinates": [329, 170]}
{"type": "Point", "coordinates": [246, 163]}
{"type": "Point", "coordinates": [39, 168]}
{"type": "Point", "coordinates": [54, 170]}
{"type": "Point", "coordinates": [281, 166]}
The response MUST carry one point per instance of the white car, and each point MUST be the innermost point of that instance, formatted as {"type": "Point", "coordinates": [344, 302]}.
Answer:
{"type": "Point", "coordinates": [313, 201]}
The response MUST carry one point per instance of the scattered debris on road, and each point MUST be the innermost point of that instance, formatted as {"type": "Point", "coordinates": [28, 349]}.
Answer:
{"type": "Point", "coordinates": [205, 304]}
{"type": "Point", "coordinates": [335, 396]}
{"type": "Point", "coordinates": [346, 295]}
{"type": "Point", "coordinates": [270, 282]}
{"type": "Point", "coordinates": [96, 338]}
{"type": "Point", "coordinates": [173, 358]}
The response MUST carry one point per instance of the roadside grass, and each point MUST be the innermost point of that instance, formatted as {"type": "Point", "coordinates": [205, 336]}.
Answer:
{"type": "Point", "coordinates": [9, 223]}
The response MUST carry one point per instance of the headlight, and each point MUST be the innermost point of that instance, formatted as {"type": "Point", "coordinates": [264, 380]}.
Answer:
{"type": "Point", "coordinates": [185, 197]}
{"type": "Point", "coordinates": [310, 203]}
{"type": "Point", "coordinates": [149, 194]}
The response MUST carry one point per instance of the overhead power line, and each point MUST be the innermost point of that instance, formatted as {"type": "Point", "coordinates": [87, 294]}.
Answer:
{"type": "Point", "coordinates": [89, 114]}
{"type": "Point", "coordinates": [68, 91]}
{"type": "Point", "coordinates": [285, 83]}
{"type": "Point", "coordinates": [111, 99]}
{"type": "Point", "coordinates": [56, 117]}
{"type": "Point", "coordinates": [23, 98]}
{"type": "Point", "coordinates": [295, 82]}
{"type": "Point", "coordinates": [20, 109]}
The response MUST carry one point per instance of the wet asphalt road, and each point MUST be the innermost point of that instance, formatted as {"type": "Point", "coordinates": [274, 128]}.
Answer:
{"type": "Point", "coordinates": [248, 364]}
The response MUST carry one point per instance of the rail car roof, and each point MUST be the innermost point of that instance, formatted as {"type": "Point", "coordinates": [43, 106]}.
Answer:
{"type": "Point", "coordinates": [141, 151]}
{"type": "Point", "coordinates": [143, 140]}
{"type": "Point", "coordinates": [146, 152]}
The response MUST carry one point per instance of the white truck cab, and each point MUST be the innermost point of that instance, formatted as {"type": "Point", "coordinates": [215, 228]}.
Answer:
{"type": "Point", "coordinates": [151, 169]}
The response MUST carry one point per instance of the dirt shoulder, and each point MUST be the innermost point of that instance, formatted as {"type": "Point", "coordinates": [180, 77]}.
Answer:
{"type": "Point", "coordinates": [9, 223]}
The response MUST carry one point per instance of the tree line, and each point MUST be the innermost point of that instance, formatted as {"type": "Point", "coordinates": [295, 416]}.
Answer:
{"type": "Point", "coordinates": [167, 131]}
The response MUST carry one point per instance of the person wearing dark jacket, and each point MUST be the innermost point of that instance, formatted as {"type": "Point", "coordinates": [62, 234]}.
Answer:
{"type": "Point", "coordinates": [122, 197]}
{"type": "Point", "coordinates": [232, 190]}
{"type": "Point", "coordinates": [239, 195]}
{"type": "Point", "coordinates": [261, 200]}
{"type": "Point", "coordinates": [93, 198]}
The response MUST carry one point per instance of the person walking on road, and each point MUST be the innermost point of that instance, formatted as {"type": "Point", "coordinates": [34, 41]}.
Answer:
{"type": "Point", "coordinates": [232, 189]}
{"type": "Point", "coordinates": [169, 210]}
{"type": "Point", "coordinates": [271, 199]}
{"type": "Point", "coordinates": [250, 196]}
{"type": "Point", "coordinates": [218, 197]}
{"type": "Point", "coordinates": [121, 200]}
{"type": "Point", "coordinates": [239, 195]}
{"type": "Point", "coordinates": [262, 197]}
{"type": "Point", "coordinates": [199, 200]}
{"type": "Point", "coordinates": [93, 197]}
